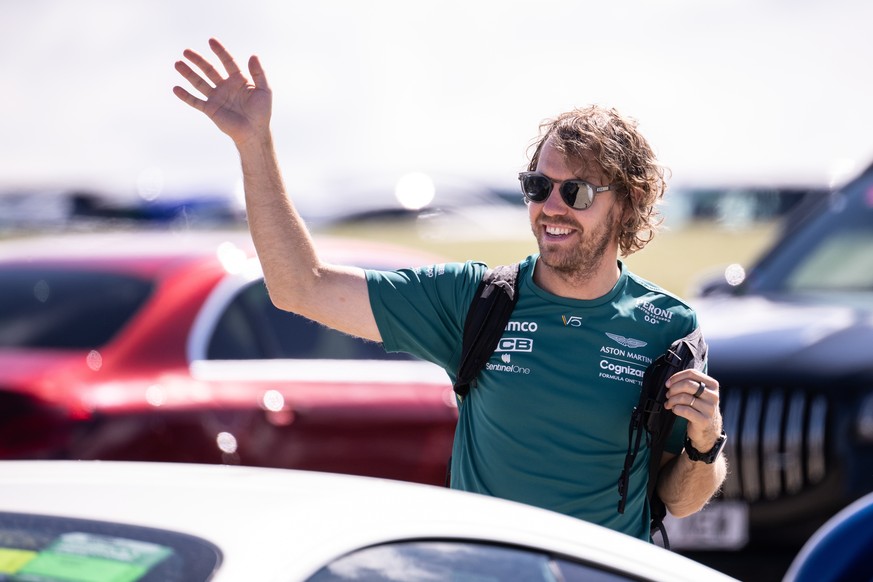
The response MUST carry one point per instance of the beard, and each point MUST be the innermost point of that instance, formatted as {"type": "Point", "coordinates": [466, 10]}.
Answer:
{"type": "Point", "coordinates": [581, 262]}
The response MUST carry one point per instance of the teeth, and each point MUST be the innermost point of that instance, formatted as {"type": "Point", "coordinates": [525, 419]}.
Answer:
{"type": "Point", "coordinates": [557, 231]}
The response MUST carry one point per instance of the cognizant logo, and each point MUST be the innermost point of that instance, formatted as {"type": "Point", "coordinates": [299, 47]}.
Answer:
{"type": "Point", "coordinates": [620, 369]}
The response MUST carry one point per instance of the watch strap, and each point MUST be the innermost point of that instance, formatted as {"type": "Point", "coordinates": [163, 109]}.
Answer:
{"type": "Point", "coordinates": [709, 456]}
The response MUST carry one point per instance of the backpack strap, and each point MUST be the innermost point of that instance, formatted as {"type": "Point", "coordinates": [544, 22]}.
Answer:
{"type": "Point", "coordinates": [650, 418]}
{"type": "Point", "coordinates": [486, 321]}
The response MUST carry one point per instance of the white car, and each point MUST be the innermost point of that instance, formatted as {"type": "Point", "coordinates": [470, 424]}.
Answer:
{"type": "Point", "coordinates": [98, 521]}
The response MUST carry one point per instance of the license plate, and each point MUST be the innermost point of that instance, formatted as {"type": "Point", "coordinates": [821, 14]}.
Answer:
{"type": "Point", "coordinates": [721, 525]}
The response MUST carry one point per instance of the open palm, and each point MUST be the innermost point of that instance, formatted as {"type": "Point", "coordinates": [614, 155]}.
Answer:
{"type": "Point", "coordinates": [239, 107]}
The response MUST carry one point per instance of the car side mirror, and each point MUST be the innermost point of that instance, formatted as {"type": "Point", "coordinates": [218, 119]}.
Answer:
{"type": "Point", "coordinates": [723, 281]}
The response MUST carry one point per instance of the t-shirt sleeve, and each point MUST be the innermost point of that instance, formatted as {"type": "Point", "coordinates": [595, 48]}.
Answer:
{"type": "Point", "coordinates": [421, 311]}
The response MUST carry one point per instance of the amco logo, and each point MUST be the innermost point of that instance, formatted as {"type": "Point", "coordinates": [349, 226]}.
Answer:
{"type": "Point", "coordinates": [530, 326]}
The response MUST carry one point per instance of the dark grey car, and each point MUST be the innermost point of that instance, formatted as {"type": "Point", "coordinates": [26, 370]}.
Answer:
{"type": "Point", "coordinates": [791, 343]}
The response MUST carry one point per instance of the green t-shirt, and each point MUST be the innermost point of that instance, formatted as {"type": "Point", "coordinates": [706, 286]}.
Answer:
{"type": "Point", "coordinates": [547, 422]}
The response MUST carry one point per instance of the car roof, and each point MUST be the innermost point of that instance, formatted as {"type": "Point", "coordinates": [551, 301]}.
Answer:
{"type": "Point", "coordinates": [171, 244]}
{"type": "Point", "coordinates": [126, 243]}
{"type": "Point", "coordinates": [272, 521]}
{"type": "Point", "coordinates": [154, 254]}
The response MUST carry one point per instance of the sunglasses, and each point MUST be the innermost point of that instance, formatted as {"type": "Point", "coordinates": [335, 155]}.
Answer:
{"type": "Point", "coordinates": [578, 194]}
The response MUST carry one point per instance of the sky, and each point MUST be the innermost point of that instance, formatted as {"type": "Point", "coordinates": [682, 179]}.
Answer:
{"type": "Point", "coordinates": [726, 91]}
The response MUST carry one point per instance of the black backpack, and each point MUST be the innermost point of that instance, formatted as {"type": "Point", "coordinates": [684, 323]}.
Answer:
{"type": "Point", "coordinates": [484, 325]}
{"type": "Point", "coordinates": [651, 420]}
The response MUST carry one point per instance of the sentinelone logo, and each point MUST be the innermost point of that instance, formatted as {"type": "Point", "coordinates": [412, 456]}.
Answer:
{"type": "Point", "coordinates": [506, 366]}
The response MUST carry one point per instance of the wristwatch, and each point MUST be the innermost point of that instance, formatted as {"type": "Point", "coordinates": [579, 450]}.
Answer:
{"type": "Point", "coordinates": [711, 455]}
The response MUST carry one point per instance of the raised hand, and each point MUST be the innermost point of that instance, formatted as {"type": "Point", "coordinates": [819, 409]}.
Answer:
{"type": "Point", "coordinates": [239, 107]}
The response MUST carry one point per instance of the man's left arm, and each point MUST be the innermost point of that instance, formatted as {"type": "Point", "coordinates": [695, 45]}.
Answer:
{"type": "Point", "coordinates": [686, 485]}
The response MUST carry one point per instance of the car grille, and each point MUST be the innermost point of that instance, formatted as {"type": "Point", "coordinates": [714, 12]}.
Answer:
{"type": "Point", "coordinates": [776, 442]}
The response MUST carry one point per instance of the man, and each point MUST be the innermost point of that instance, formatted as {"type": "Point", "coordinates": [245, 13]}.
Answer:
{"type": "Point", "coordinates": [547, 423]}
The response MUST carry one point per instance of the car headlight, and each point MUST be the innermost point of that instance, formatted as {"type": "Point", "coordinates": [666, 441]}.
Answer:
{"type": "Point", "coordinates": [865, 419]}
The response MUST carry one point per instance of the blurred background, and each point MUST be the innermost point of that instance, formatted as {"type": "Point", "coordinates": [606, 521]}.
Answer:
{"type": "Point", "coordinates": [750, 104]}
{"type": "Point", "coordinates": [405, 123]}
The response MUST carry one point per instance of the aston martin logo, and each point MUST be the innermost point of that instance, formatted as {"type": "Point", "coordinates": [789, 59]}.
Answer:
{"type": "Point", "coordinates": [627, 342]}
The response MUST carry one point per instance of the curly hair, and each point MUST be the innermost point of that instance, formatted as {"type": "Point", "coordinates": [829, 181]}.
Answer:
{"type": "Point", "coordinates": [605, 136]}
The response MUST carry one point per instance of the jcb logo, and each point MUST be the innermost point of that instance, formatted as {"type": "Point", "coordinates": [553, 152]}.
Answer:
{"type": "Point", "coordinates": [515, 344]}
{"type": "Point", "coordinates": [572, 320]}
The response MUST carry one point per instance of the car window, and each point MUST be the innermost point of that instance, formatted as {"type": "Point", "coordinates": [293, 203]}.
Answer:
{"type": "Point", "coordinates": [460, 561]}
{"type": "Point", "coordinates": [58, 549]}
{"type": "Point", "coordinates": [842, 262]}
{"type": "Point", "coordinates": [251, 327]}
{"type": "Point", "coordinates": [64, 308]}
{"type": "Point", "coordinates": [831, 251]}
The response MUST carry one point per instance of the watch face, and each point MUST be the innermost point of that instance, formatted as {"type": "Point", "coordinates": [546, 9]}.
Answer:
{"type": "Point", "coordinates": [719, 444]}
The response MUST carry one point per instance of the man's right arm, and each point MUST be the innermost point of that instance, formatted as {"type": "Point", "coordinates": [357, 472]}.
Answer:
{"type": "Point", "coordinates": [296, 277]}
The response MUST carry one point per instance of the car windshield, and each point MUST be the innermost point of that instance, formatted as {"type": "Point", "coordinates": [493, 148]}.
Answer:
{"type": "Point", "coordinates": [832, 252]}
{"type": "Point", "coordinates": [56, 308]}
{"type": "Point", "coordinates": [55, 549]}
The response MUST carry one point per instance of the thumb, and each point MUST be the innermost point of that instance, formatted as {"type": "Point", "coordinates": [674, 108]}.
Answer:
{"type": "Point", "coordinates": [257, 72]}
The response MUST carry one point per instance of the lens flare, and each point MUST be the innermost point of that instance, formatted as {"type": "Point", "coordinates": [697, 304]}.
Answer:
{"type": "Point", "coordinates": [415, 191]}
{"type": "Point", "coordinates": [734, 274]}
{"type": "Point", "coordinates": [226, 442]}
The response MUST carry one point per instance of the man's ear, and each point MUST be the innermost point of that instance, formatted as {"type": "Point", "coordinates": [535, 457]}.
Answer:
{"type": "Point", "coordinates": [625, 199]}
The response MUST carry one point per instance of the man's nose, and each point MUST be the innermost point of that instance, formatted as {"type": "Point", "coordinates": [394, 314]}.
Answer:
{"type": "Point", "coordinates": [555, 204]}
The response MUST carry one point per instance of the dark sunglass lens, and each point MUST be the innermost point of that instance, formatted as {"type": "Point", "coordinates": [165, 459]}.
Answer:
{"type": "Point", "coordinates": [576, 194]}
{"type": "Point", "coordinates": [570, 192]}
{"type": "Point", "coordinates": [536, 188]}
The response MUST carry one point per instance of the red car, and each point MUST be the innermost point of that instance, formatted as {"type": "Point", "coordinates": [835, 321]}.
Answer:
{"type": "Point", "coordinates": [164, 346]}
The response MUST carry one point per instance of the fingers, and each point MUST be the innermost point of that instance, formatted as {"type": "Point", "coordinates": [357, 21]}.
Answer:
{"type": "Point", "coordinates": [225, 57]}
{"type": "Point", "coordinates": [699, 397]}
{"type": "Point", "coordinates": [701, 389]}
{"type": "Point", "coordinates": [201, 63]}
{"type": "Point", "coordinates": [207, 68]}
{"type": "Point", "coordinates": [210, 72]}
{"type": "Point", "coordinates": [693, 392]}
{"type": "Point", "coordinates": [196, 80]}
{"type": "Point", "coordinates": [690, 379]}
{"type": "Point", "coordinates": [188, 98]}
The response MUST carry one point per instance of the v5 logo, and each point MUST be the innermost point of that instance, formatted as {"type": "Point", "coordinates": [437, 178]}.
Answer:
{"type": "Point", "coordinates": [572, 320]}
